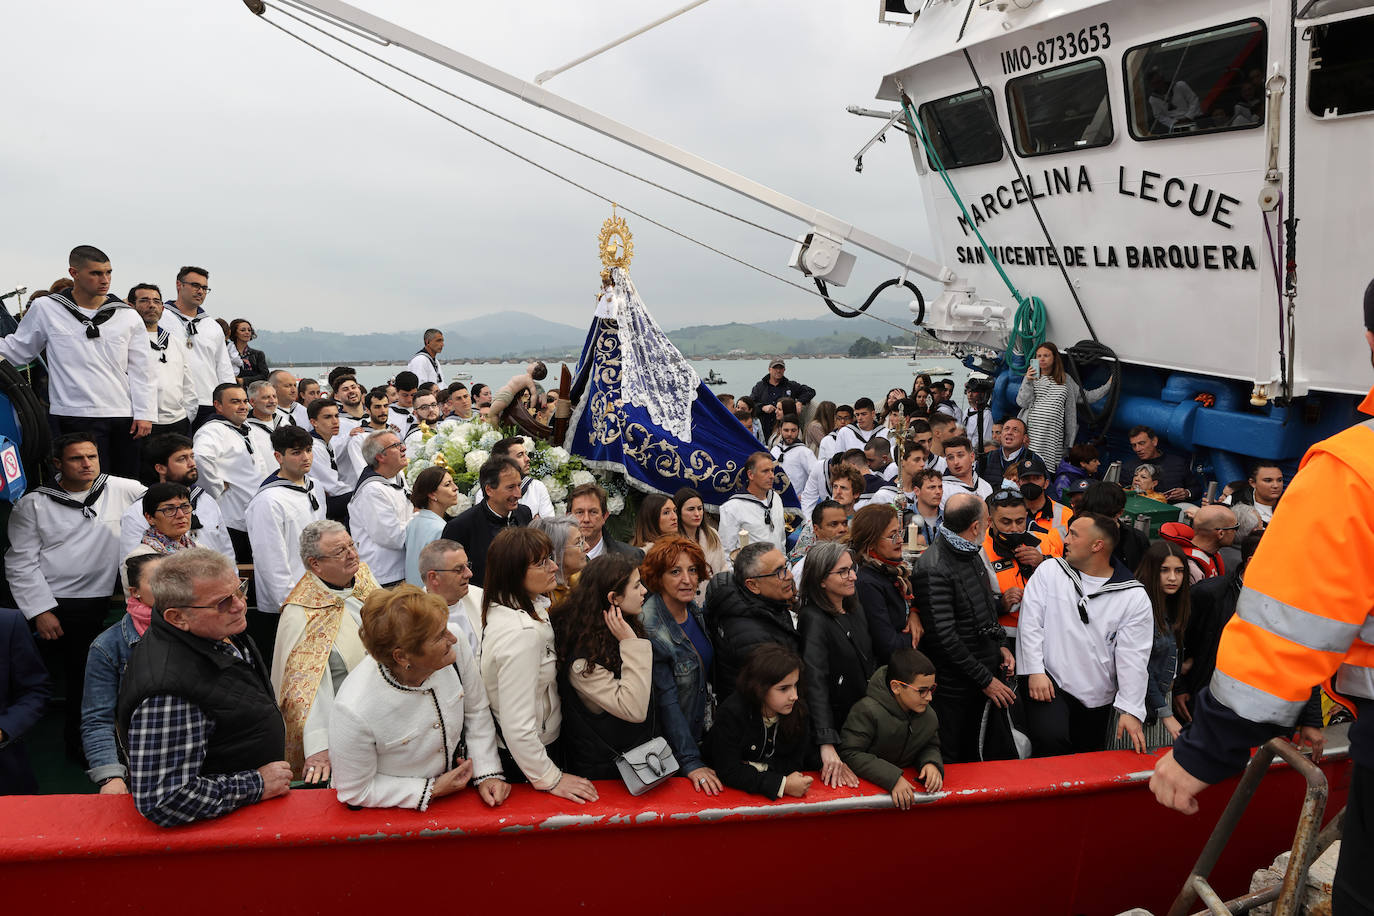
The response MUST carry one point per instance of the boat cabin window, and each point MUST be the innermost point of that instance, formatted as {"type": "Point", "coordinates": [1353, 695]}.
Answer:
{"type": "Point", "coordinates": [1065, 108]}
{"type": "Point", "coordinates": [1198, 83]}
{"type": "Point", "coordinates": [962, 129]}
{"type": "Point", "coordinates": [1341, 77]}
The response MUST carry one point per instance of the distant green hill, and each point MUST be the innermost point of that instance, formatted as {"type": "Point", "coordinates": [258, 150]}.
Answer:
{"type": "Point", "coordinates": [516, 334]}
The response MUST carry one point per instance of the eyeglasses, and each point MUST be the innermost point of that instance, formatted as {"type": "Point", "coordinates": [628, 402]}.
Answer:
{"type": "Point", "coordinates": [226, 604]}
{"type": "Point", "coordinates": [173, 511]}
{"type": "Point", "coordinates": [399, 445]}
{"type": "Point", "coordinates": [1228, 528]}
{"type": "Point", "coordinates": [196, 286]}
{"type": "Point", "coordinates": [779, 573]}
{"type": "Point", "coordinates": [457, 569]}
{"type": "Point", "coordinates": [895, 537]}
{"type": "Point", "coordinates": [147, 300]}
{"type": "Point", "coordinates": [340, 553]}
{"type": "Point", "coordinates": [845, 573]}
{"type": "Point", "coordinates": [550, 560]}
{"type": "Point", "coordinates": [1006, 495]}
{"type": "Point", "coordinates": [926, 692]}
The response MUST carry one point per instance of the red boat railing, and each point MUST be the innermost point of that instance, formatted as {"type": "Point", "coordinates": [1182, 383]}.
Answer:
{"type": "Point", "coordinates": [1065, 835]}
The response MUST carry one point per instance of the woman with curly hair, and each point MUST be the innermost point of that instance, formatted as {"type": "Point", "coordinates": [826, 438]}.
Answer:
{"type": "Point", "coordinates": [605, 667]}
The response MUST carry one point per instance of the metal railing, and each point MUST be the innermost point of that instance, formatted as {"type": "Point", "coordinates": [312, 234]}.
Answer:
{"type": "Point", "coordinates": [1306, 841]}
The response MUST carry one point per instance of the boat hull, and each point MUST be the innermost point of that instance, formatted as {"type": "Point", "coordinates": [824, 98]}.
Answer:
{"type": "Point", "coordinates": [1064, 835]}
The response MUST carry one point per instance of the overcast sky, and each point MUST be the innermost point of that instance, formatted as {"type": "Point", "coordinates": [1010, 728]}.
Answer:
{"type": "Point", "coordinates": [170, 132]}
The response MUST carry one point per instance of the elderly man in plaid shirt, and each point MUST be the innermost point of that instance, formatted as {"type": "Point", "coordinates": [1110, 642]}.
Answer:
{"type": "Point", "coordinates": [197, 714]}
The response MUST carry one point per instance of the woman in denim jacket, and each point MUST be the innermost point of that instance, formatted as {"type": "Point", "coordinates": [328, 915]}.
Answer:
{"type": "Point", "coordinates": [682, 653]}
{"type": "Point", "coordinates": [105, 664]}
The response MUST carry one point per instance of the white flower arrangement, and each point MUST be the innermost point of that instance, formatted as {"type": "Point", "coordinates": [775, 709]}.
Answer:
{"type": "Point", "coordinates": [463, 446]}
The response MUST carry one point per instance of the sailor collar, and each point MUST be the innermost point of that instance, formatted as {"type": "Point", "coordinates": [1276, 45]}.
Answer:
{"type": "Point", "coordinates": [85, 504]}
{"type": "Point", "coordinates": [91, 320]}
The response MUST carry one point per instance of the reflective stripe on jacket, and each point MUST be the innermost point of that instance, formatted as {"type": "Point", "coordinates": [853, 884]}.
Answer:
{"type": "Point", "coordinates": [1304, 612]}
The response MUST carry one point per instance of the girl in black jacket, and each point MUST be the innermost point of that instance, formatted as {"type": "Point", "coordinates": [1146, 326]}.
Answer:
{"type": "Point", "coordinates": [836, 649]}
{"type": "Point", "coordinates": [761, 740]}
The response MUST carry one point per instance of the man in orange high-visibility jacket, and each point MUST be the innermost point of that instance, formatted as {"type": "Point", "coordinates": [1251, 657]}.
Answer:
{"type": "Point", "coordinates": [1306, 613]}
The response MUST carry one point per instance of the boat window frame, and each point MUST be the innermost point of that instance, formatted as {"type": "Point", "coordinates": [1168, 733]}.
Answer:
{"type": "Point", "coordinates": [989, 97]}
{"type": "Point", "coordinates": [1126, 82]}
{"type": "Point", "coordinates": [1107, 96]}
{"type": "Point", "coordinates": [1311, 55]}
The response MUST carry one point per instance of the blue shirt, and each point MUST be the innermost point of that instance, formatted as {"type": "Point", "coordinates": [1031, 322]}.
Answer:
{"type": "Point", "coordinates": [698, 638]}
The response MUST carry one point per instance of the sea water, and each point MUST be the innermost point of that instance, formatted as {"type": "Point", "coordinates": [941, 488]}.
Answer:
{"type": "Point", "coordinates": [839, 379]}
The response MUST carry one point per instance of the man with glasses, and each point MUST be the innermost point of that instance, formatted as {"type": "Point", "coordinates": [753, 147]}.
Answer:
{"type": "Point", "coordinates": [284, 505]}
{"type": "Point", "coordinates": [196, 709]}
{"type": "Point", "coordinates": [748, 606]}
{"type": "Point", "coordinates": [426, 411]}
{"type": "Point", "coordinates": [476, 527]}
{"type": "Point", "coordinates": [173, 460]}
{"type": "Point", "coordinates": [379, 509]}
{"type": "Point", "coordinates": [176, 387]}
{"type": "Point", "coordinates": [61, 562]}
{"type": "Point", "coordinates": [446, 572]}
{"type": "Point", "coordinates": [317, 642]}
{"type": "Point", "coordinates": [195, 330]}
{"type": "Point", "coordinates": [757, 512]}
{"type": "Point", "coordinates": [962, 636]}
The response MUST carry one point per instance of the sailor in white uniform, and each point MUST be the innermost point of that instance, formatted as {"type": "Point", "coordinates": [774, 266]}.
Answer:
{"type": "Point", "coordinates": [796, 459]}
{"type": "Point", "coordinates": [196, 330]}
{"type": "Point", "coordinates": [64, 555]}
{"type": "Point", "coordinates": [176, 389]}
{"type": "Point", "coordinates": [233, 459]}
{"type": "Point", "coordinates": [425, 363]}
{"type": "Point", "coordinates": [444, 568]}
{"type": "Point", "coordinates": [262, 401]}
{"type": "Point", "coordinates": [284, 383]}
{"type": "Point", "coordinates": [401, 414]}
{"type": "Point", "coordinates": [379, 510]}
{"type": "Point", "coordinates": [286, 502]}
{"type": "Point", "coordinates": [174, 461]}
{"type": "Point", "coordinates": [757, 511]}
{"type": "Point", "coordinates": [864, 428]}
{"type": "Point", "coordinates": [324, 466]}
{"type": "Point", "coordinates": [98, 361]}
{"type": "Point", "coordinates": [959, 476]}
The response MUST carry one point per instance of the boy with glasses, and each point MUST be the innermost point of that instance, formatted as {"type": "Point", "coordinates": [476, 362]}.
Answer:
{"type": "Point", "coordinates": [893, 728]}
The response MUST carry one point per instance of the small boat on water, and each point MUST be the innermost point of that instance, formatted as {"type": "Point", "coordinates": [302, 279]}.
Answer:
{"type": "Point", "coordinates": [712, 378]}
{"type": "Point", "coordinates": [932, 372]}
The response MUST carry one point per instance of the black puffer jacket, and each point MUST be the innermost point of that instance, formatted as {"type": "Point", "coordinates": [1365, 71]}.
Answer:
{"type": "Point", "coordinates": [739, 620]}
{"type": "Point", "coordinates": [958, 611]}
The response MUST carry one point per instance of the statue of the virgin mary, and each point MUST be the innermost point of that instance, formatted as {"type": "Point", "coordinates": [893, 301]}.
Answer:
{"type": "Point", "coordinates": [642, 409]}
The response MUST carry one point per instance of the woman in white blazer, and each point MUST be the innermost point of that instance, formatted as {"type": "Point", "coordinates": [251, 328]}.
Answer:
{"type": "Point", "coordinates": [414, 724]}
{"type": "Point", "coordinates": [519, 665]}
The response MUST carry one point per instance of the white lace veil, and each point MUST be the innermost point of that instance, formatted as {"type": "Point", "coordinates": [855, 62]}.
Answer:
{"type": "Point", "coordinates": [654, 373]}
